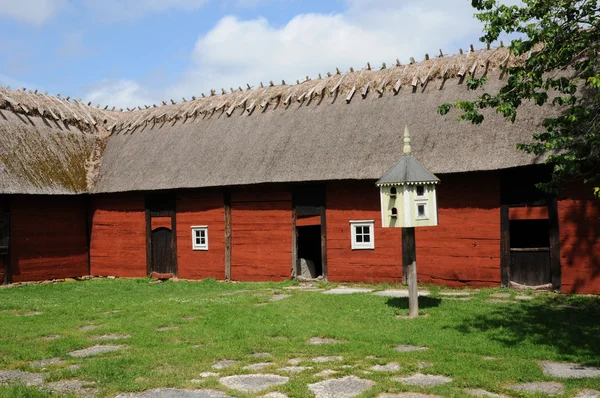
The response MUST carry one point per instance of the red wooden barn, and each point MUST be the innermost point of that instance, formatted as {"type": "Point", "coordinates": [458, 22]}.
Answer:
{"type": "Point", "coordinates": [266, 183]}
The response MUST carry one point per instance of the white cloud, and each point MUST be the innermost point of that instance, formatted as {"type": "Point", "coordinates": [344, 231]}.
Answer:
{"type": "Point", "coordinates": [120, 94]}
{"type": "Point", "coordinates": [133, 9]}
{"type": "Point", "coordinates": [35, 12]}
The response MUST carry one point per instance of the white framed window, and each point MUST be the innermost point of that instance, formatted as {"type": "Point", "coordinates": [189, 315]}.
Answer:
{"type": "Point", "coordinates": [420, 191]}
{"type": "Point", "coordinates": [362, 234]}
{"type": "Point", "coordinates": [200, 237]}
{"type": "Point", "coordinates": [422, 211]}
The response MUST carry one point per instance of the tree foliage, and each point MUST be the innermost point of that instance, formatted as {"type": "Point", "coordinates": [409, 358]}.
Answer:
{"type": "Point", "coordinates": [559, 39]}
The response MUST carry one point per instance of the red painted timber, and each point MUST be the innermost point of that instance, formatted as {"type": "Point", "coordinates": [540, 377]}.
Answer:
{"type": "Point", "coordinates": [579, 230]}
{"type": "Point", "coordinates": [528, 213]}
{"type": "Point", "coordinates": [48, 238]}
{"type": "Point", "coordinates": [307, 221]}
{"type": "Point", "coordinates": [161, 222]}
{"type": "Point", "coordinates": [261, 236]}
{"type": "Point", "coordinates": [197, 208]}
{"type": "Point", "coordinates": [118, 246]}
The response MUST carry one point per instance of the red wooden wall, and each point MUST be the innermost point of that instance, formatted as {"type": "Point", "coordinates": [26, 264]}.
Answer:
{"type": "Point", "coordinates": [261, 234]}
{"type": "Point", "coordinates": [579, 228]}
{"type": "Point", "coordinates": [118, 241]}
{"type": "Point", "coordinates": [464, 249]}
{"type": "Point", "coordinates": [195, 208]}
{"type": "Point", "coordinates": [348, 201]}
{"type": "Point", "coordinates": [48, 237]}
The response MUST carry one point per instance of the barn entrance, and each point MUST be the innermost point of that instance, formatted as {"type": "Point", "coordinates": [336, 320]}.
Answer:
{"type": "Point", "coordinates": [530, 247]}
{"type": "Point", "coordinates": [4, 242]}
{"type": "Point", "coordinates": [309, 243]}
{"type": "Point", "coordinates": [161, 240]}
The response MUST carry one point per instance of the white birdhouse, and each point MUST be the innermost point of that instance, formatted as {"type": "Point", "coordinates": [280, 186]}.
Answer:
{"type": "Point", "coordinates": [408, 196]}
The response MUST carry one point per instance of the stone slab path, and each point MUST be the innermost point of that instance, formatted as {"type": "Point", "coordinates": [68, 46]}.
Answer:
{"type": "Point", "coordinates": [76, 387]}
{"type": "Point", "coordinates": [347, 290]}
{"type": "Point", "coordinates": [408, 395]}
{"type": "Point", "coordinates": [176, 393]}
{"type": "Point", "coordinates": [588, 394]}
{"type": "Point", "coordinates": [108, 337]}
{"type": "Point", "coordinates": [477, 392]}
{"type": "Point", "coordinates": [569, 370]}
{"type": "Point", "coordinates": [46, 362]}
{"type": "Point", "coordinates": [422, 380]}
{"type": "Point", "coordinates": [95, 350]}
{"type": "Point", "coordinates": [346, 387]}
{"type": "Point", "coordinates": [253, 383]}
{"type": "Point", "coordinates": [323, 340]}
{"type": "Point", "coordinates": [399, 293]}
{"type": "Point", "coordinates": [226, 363]}
{"type": "Point", "coordinates": [294, 369]}
{"type": "Point", "coordinates": [327, 359]}
{"type": "Point", "coordinates": [17, 376]}
{"type": "Point", "coordinates": [545, 387]}
{"type": "Point", "coordinates": [409, 348]}
{"type": "Point", "coordinates": [390, 367]}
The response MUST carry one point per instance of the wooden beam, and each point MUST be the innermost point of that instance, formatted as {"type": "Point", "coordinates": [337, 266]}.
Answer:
{"type": "Point", "coordinates": [148, 238]}
{"type": "Point", "coordinates": [337, 85]}
{"type": "Point", "coordinates": [295, 268]}
{"type": "Point", "coordinates": [504, 246]}
{"type": "Point", "coordinates": [350, 94]}
{"type": "Point", "coordinates": [397, 86]}
{"type": "Point", "coordinates": [227, 211]}
{"type": "Point", "coordinates": [324, 243]}
{"type": "Point", "coordinates": [555, 265]}
{"type": "Point", "coordinates": [381, 88]}
{"type": "Point", "coordinates": [409, 246]}
{"type": "Point", "coordinates": [365, 90]}
{"type": "Point", "coordinates": [174, 267]}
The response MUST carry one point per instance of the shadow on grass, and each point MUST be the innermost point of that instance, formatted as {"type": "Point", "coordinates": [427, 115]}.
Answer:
{"type": "Point", "coordinates": [572, 329]}
{"type": "Point", "coordinates": [424, 302]}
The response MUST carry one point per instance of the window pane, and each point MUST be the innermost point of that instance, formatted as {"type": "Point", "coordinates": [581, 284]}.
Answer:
{"type": "Point", "coordinates": [367, 238]}
{"type": "Point", "coordinates": [196, 233]}
{"type": "Point", "coordinates": [359, 230]}
{"type": "Point", "coordinates": [420, 190]}
{"type": "Point", "coordinates": [203, 241]}
{"type": "Point", "coordinates": [366, 230]}
{"type": "Point", "coordinates": [202, 233]}
{"type": "Point", "coordinates": [359, 238]}
{"type": "Point", "coordinates": [197, 241]}
{"type": "Point", "coordinates": [421, 210]}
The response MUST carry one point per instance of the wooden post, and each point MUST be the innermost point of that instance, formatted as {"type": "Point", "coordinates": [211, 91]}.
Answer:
{"type": "Point", "coordinates": [405, 259]}
{"type": "Point", "coordinates": [324, 242]}
{"type": "Point", "coordinates": [554, 244]}
{"type": "Point", "coordinates": [227, 210]}
{"type": "Point", "coordinates": [294, 243]}
{"type": "Point", "coordinates": [504, 246]}
{"type": "Point", "coordinates": [409, 251]}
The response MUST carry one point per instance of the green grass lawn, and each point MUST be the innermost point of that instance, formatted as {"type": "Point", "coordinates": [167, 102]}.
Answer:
{"type": "Point", "coordinates": [210, 321]}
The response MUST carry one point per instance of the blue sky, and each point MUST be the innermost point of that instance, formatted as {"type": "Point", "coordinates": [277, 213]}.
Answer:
{"type": "Point", "coordinates": [135, 52]}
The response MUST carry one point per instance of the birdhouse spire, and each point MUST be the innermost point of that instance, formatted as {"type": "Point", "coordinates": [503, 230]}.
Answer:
{"type": "Point", "coordinates": [406, 141]}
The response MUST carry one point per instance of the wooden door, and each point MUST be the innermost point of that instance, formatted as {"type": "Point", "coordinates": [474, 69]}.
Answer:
{"type": "Point", "coordinates": [162, 251]}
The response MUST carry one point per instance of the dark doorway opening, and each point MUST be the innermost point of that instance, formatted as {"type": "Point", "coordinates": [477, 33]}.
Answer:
{"type": "Point", "coordinates": [162, 251]}
{"type": "Point", "coordinates": [161, 244]}
{"type": "Point", "coordinates": [309, 251]}
{"type": "Point", "coordinates": [530, 252]}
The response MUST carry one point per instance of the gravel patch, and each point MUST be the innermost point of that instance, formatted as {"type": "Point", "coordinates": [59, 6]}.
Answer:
{"type": "Point", "coordinates": [346, 387]}
{"type": "Point", "coordinates": [321, 341]}
{"type": "Point", "coordinates": [422, 380]}
{"type": "Point", "coordinates": [390, 367]}
{"type": "Point", "coordinates": [108, 337]}
{"type": "Point", "coordinates": [294, 369]}
{"type": "Point", "coordinates": [347, 290]}
{"type": "Point", "coordinates": [95, 350]}
{"type": "Point", "coordinates": [45, 362]}
{"type": "Point", "coordinates": [225, 363]}
{"type": "Point", "coordinates": [399, 293]}
{"type": "Point", "coordinates": [478, 392]}
{"type": "Point", "coordinates": [253, 383]}
{"type": "Point", "coordinates": [409, 348]}
{"type": "Point", "coordinates": [17, 376]}
{"type": "Point", "coordinates": [258, 366]}
{"type": "Point", "coordinates": [326, 373]}
{"type": "Point", "coordinates": [569, 370]}
{"type": "Point", "coordinates": [76, 387]}
{"type": "Point", "coordinates": [87, 328]}
{"type": "Point", "coordinates": [588, 394]}
{"type": "Point", "coordinates": [175, 393]}
{"type": "Point", "coordinates": [545, 387]}
{"type": "Point", "coordinates": [51, 338]}
{"type": "Point", "coordinates": [500, 295]}
{"type": "Point", "coordinates": [327, 359]}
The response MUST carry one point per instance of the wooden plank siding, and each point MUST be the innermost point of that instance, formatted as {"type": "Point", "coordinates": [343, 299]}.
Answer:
{"type": "Point", "coordinates": [464, 249]}
{"type": "Point", "coordinates": [118, 245]}
{"type": "Point", "coordinates": [348, 201]}
{"type": "Point", "coordinates": [261, 237]}
{"type": "Point", "coordinates": [196, 208]}
{"type": "Point", "coordinates": [579, 234]}
{"type": "Point", "coordinates": [48, 238]}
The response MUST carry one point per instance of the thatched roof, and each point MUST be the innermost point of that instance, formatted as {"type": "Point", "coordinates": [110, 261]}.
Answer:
{"type": "Point", "coordinates": [337, 127]}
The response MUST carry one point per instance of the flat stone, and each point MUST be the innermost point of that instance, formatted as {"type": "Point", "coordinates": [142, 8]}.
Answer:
{"type": "Point", "coordinates": [390, 367]}
{"type": "Point", "coordinates": [326, 373]}
{"type": "Point", "coordinates": [327, 359]}
{"type": "Point", "coordinates": [422, 380]}
{"type": "Point", "coordinates": [423, 365]}
{"type": "Point", "coordinates": [17, 376]}
{"type": "Point", "coordinates": [175, 393]}
{"type": "Point", "coordinates": [95, 350]}
{"type": "Point", "coordinates": [569, 370]}
{"type": "Point", "coordinates": [494, 301]}
{"type": "Point", "coordinates": [409, 348]}
{"type": "Point", "coordinates": [258, 366]}
{"type": "Point", "coordinates": [478, 392]}
{"type": "Point", "coordinates": [295, 361]}
{"type": "Point", "coordinates": [226, 363]}
{"type": "Point", "coordinates": [458, 298]}
{"type": "Point", "coordinates": [321, 340]}
{"type": "Point", "coordinates": [294, 369]}
{"type": "Point", "coordinates": [588, 394]}
{"type": "Point", "coordinates": [500, 295]}
{"type": "Point", "coordinates": [76, 387]}
{"type": "Point", "coordinates": [209, 374]}
{"type": "Point", "coordinates": [346, 387]}
{"type": "Point", "coordinates": [260, 355]}
{"type": "Point", "coordinates": [347, 290]}
{"type": "Point", "coordinates": [275, 395]}
{"type": "Point", "coordinates": [525, 298]}
{"type": "Point", "coordinates": [46, 362]}
{"type": "Point", "coordinates": [544, 387]}
{"type": "Point", "coordinates": [279, 297]}
{"type": "Point", "coordinates": [51, 338]}
{"type": "Point", "coordinates": [408, 395]}
{"type": "Point", "coordinates": [107, 337]}
{"type": "Point", "coordinates": [33, 313]}
{"type": "Point", "coordinates": [167, 328]}
{"type": "Point", "coordinates": [253, 383]}
{"type": "Point", "coordinates": [455, 294]}
{"type": "Point", "coordinates": [87, 328]}
{"type": "Point", "coordinates": [399, 293]}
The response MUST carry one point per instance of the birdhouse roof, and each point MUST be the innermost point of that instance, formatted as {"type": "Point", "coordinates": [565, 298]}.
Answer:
{"type": "Point", "coordinates": [408, 170]}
